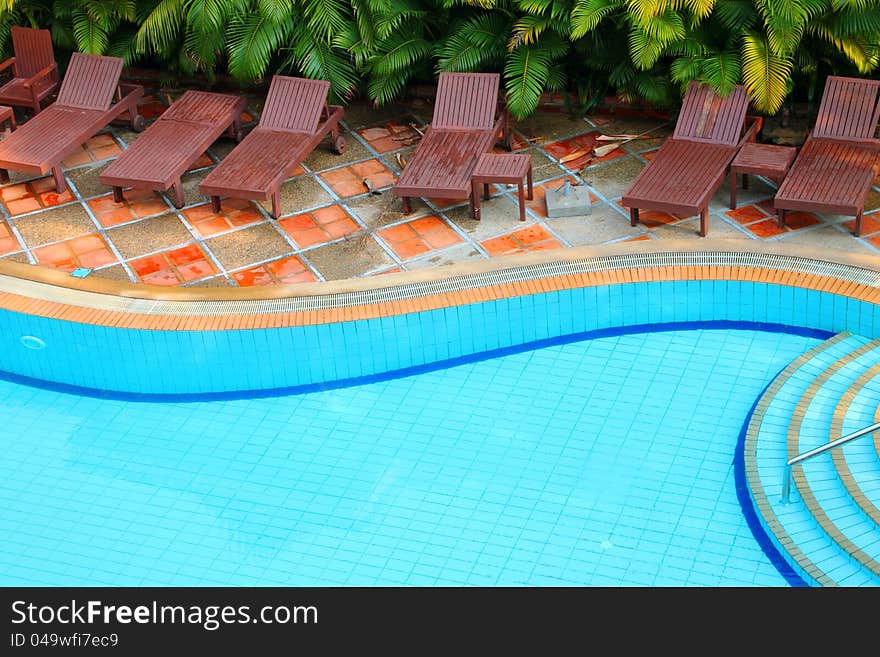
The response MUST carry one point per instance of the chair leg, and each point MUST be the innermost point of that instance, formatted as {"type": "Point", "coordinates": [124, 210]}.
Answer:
{"type": "Point", "coordinates": [733, 190]}
{"type": "Point", "coordinates": [117, 195]}
{"type": "Point", "coordinates": [4, 176]}
{"type": "Point", "coordinates": [276, 204]}
{"type": "Point", "coordinates": [215, 204]}
{"type": "Point", "coordinates": [704, 222]}
{"type": "Point", "coordinates": [522, 202]}
{"type": "Point", "coordinates": [745, 181]}
{"type": "Point", "coordinates": [530, 194]}
{"type": "Point", "coordinates": [177, 188]}
{"type": "Point", "coordinates": [780, 217]}
{"type": "Point", "coordinates": [633, 216]}
{"type": "Point", "coordinates": [406, 207]}
{"type": "Point", "coordinates": [858, 231]}
{"type": "Point", "coordinates": [60, 183]}
{"type": "Point", "coordinates": [475, 201]}
{"type": "Point", "coordinates": [486, 190]}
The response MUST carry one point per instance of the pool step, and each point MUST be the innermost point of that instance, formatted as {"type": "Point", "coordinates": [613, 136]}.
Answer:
{"type": "Point", "coordinates": [828, 531]}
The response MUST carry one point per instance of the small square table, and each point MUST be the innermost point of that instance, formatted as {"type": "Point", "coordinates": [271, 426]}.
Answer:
{"type": "Point", "coordinates": [504, 168]}
{"type": "Point", "coordinates": [7, 114]}
{"type": "Point", "coordinates": [769, 160]}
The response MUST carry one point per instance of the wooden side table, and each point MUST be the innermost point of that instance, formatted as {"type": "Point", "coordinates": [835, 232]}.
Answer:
{"type": "Point", "coordinates": [769, 160]}
{"type": "Point", "coordinates": [6, 114]}
{"type": "Point", "coordinates": [504, 168]}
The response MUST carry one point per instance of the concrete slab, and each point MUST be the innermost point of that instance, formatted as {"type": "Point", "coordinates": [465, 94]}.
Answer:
{"type": "Point", "coordinates": [349, 258]}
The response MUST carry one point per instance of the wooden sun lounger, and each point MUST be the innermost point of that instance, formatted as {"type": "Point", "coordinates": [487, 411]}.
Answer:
{"type": "Point", "coordinates": [91, 97]}
{"type": "Point", "coordinates": [173, 142]}
{"type": "Point", "coordinates": [835, 167]}
{"type": "Point", "coordinates": [690, 166]}
{"type": "Point", "coordinates": [34, 70]}
{"type": "Point", "coordinates": [295, 118]}
{"type": "Point", "coordinates": [467, 122]}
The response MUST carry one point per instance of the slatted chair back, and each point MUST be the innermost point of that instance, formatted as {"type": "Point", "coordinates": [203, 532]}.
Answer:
{"type": "Point", "coordinates": [294, 104]}
{"type": "Point", "coordinates": [706, 116]}
{"type": "Point", "coordinates": [850, 109]}
{"type": "Point", "coordinates": [33, 50]}
{"type": "Point", "coordinates": [466, 101]}
{"type": "Point", "coordinates": [90, 81]}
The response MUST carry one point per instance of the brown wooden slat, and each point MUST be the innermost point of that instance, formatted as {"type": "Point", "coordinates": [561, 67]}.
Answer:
{"type": "Point", "coordinates": [466, 101]}
{"type": "Point", "coordinates": [46, 138]}
{"type": "Point", "coordinates": [290, 127]}
{"type": "Point", "coordinates": [443, 162]}
{"type": "Point", "coordinates": [294, 103]}
{"type": "Point", "coordinates": [174, 141]}
{"type": "Point", "coordinates": [262, 161]}
{"type": "Point", "coordinates": [706, 116]}
{"type": "Point", "coordinates": [33, 50]}
{"type": "Point", "coordinates": [850, 108]}
{"type": "Point", "coordinates": [90, 81]}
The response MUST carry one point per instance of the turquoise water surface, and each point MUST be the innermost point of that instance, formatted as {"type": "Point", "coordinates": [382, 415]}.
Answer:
{"type": "Point", "coordinates": [602, 462]}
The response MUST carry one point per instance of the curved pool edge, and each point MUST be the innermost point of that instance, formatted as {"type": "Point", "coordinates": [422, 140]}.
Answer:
{"type": "Point", "coordinates": [104, 335]}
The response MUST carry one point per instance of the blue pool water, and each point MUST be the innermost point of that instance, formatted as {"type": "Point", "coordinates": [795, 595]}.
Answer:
{"type": "Point", "coordinates": [602, 462]}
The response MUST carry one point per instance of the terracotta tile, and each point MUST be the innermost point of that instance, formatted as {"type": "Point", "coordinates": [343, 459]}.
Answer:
{"type": "Point", "coordinates": [400, 233]}
{"type": "Point", "coordinates": [410, 248]}
{"type": "Point", "coordinates": [532, 235]}
{"type": "Point", "coordinates": [49, 199]}
{"type": "Point", "coordinates": [329, 214]}
{"type": "Point", "coordinates": [14, 192]}
{"type": "Point", "coordinates": [52, 253]}
{"type": "Point", "coordinates": [204, 160]}
{"type": "Point", "coordinates": [875, 240]}
{"type": "Point", "coordinates": [796, 219]}
{"type": "Point", "coordinates": [309, 237]}
{"type": "Point", "coordinates": [105, 152]}
{"type": "Point", "coordinates": [97, 258]}
{"type": "Point", "coordinates": [870, 224]}
{"type": "Point", "coordinates": [767, 228]}
{"type": "Point", "coordinates": [165, 277]}
{"type": "Point", "coordinates": [44, 184]}
{"type": "Point", "coordinates": [8, 244]}
{"type": "Point", "coordinates": [545, 246]}
{"type": "Point", "coordinates": [291, 266]}
{"type": "Point", "coordinates": [501, 245]}
{"type": "Point", "coordinates": [149, 265]}
{"type": "Point", "coordinates": [637, 238]}
{"type": "Point", "coordinates": [22, 205]}
{"type": "Point", "coordinates": [252, 277]}
{"type": "Point", "coordinates": [151, 110]}
{"type": "Point", "coordinates": [195, 270]}
{"type": "Point", "coordinates": [390, 270]}
{"type": "Point", "coordinates": [185, 255]}
{"type": "Point", "coordinates": [435, 232]}
{"type": "Point", "coordinates": [746, 214]}
{"type": "Point", "coordinates": [302, 277]}
{"type": "Point", "coordinates": [76, 158]}
{"type": "Point", "coordinates": [87, 243]}
{"type": "Point", "coordinates": [63, 265]}
{"type": "Point", "coordinates": [100, 140]}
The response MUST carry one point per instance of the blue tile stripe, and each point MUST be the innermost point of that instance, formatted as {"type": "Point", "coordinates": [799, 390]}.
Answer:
{"type": "Point", "coordinates": [414, 370]}
{"type": "Point", "coordinates": [748, 510]}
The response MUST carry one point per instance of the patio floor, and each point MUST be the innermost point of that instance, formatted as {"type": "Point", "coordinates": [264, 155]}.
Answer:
{"type": "Point", "coordinates": [333, 227]}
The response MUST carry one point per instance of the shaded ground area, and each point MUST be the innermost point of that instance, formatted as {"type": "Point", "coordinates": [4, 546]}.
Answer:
{"type": "Point", "coordinates": [340, 219]}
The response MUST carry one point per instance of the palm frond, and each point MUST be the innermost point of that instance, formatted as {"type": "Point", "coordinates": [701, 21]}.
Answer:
{"type": "Point", "coordinates": [587, 14]}
{"type": "Point", "coordinates": [765, 74]}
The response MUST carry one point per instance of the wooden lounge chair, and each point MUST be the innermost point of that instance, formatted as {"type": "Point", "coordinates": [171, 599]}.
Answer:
{"type": "Point", "coordinates": [173, 142]}
{"type": "Point", "coordinates": [835, 167]}
{"type": "Point", "coordinates": [90, 97]}
{"type": "Point", "coordinates": [467, 122]}
{"type": "Point", "coordinates": [295, 118]}
{"type": "Point", "coordinates": [692, 163]}
{"type": "Point", "coordinates": [34, 70]}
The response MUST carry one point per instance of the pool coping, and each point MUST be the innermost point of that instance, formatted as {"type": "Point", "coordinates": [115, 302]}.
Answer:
{"type": "Point", "coordinates": [44, 292]}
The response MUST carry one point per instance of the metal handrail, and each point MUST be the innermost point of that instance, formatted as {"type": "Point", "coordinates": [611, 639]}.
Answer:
{"type": "Point", "coordinates": [786, 482]}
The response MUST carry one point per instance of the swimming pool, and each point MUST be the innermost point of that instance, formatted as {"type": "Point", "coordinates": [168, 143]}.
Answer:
{"type": "Point", "coordinates": [576, 421]}
{"type": "Point", "coordinates": [599, 462]}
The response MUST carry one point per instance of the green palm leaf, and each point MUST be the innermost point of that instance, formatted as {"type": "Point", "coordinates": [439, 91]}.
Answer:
{"type": "Point", "coordinates": [91, 36]}
{"type": "Point", "coordinates": [161, 26]}
{"type": "Point", "coordinates": [252, 40]}
{"type": "Point", "coordinates": [587, 14]}
{"type": "Point", "coordinates": [765, 74]}
{"type": "Point", "coordinates": [722, 71]}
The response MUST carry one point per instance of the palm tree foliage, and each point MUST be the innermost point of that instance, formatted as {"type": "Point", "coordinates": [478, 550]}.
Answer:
{"type": "Point", "coordinates": [637, 49]}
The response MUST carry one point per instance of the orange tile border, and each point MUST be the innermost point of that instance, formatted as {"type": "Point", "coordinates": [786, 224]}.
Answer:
{"type": "Point", "coordinates": [46, 308]}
